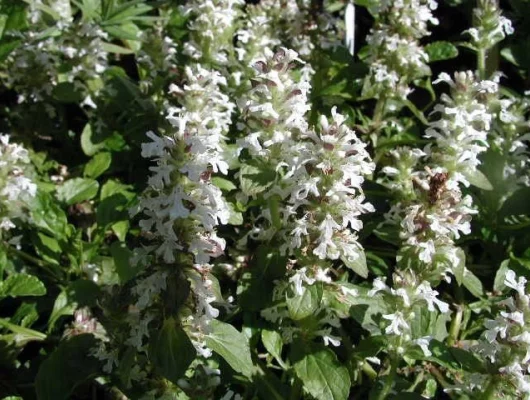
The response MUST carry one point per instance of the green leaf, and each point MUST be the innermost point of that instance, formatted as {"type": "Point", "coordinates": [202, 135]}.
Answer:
{"type": "Point", "coordinates": [272, 341]}
{"type": "Point", "coordinates": [89, 148]}
{"type": "Point", "coordinates": [357, 265]}
{"type": "Point", "coordinates": [122, 256]}
{"type": "Point", "coordinates": [97, 165]}
{"type": "Point", "coordinates": [77, 190]}
{"type": "Point", "coordinates": [323, 377]}
{"type": "Point", "coordinates": [49, 216]}
{"type": "Point", "coordinates": [67, 367]}
{"type": "Point", "coordinates": [224, 184]}
{"type": "Point", "coordinates": [17, 285]}
{"type": "Point", "coordinates": [255, 179]}
{"type": "Point", "coordinates": [113, 48]}
{"type": "Point", "coordinates": [306, 304]}
{"type": "Point", "coordinates": [500, 276]}
{"type": "Point", "coordinates": [171, 351]}
{"type": "Point", "coordinates": [441, 50]}
{"type": "Point", "coordinates": [231, 345]}
{"type": "Point", "coordinates": [22, 335]}
{"type": "Point", "coordinates": [467, 278]}
{"type": "Point", "coordinates": [66, 92]}
{"type": "Point", "coordinates": [478, 179]}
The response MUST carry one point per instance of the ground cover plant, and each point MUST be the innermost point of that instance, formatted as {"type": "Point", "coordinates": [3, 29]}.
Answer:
{"type": "Point", "coordinates": [273, 199]}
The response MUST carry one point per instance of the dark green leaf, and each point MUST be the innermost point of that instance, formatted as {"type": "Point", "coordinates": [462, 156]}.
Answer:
{"type": "Point", "coordinates": [171, 351]}
{"type": "Point", "coordinates": [68, 366]}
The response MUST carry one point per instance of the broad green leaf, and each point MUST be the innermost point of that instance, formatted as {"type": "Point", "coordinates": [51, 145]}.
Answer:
{"type": "Point", "coordinates": [77, 190]}
{"type": "Point", "coordinates": [231, 345]}
{"type": "Point", "coordinates": [306, 304]}
{"type": "Point", "coordinates": [17, 285]}
{"type": "Point", "coordinates": [323, 377]}
{"type": "Point", "coordinates": [67, 367]}
{"type": "Point", "coordinates": [171, 351]}
{"type": "Point", "coordinates": [97, 165]}
{"type": "Point", "coordinates": [357, 265]}
{"type": "Point", "coordinates": [441, 50]}
{"type": "Point", "coordinates": [47, 247]}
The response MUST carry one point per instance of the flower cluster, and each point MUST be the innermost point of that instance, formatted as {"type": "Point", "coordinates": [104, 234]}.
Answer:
{"type": "Point", "coordinates": [490, 26]}
{"type": "Point", "coordinates": [212, 29]}
{"type": "Point", "coordinates": [396, 56]}
{"type": "Point", "coordinates": [433, 212]}
{"type": "Point", "coordinates": [16, 189]}
{"type": "Point", "coordinates": [77, 56]}
{"type": "Point", "coordinates": [505, 347]}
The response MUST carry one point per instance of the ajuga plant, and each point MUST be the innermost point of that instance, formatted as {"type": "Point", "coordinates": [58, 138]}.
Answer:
{"type": "Point", "coordinates": [217, 200]}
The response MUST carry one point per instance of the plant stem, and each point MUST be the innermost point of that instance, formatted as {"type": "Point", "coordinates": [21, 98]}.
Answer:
{"type": "Point", "coordinates": [481, 63]}
{"type": "Point", "coordinates": [454, 329]}
{"type": "Point", "coordinates": [34, 260]}
{"type": "Point", "coordinates": [389, 381]}
{"type": "Point", "coordinates": [489, 393]}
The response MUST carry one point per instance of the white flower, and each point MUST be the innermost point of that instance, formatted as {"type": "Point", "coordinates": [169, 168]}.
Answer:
{"type": "Point", "coordinates": [425, 292]}
{"type": "Point", "coordinates": [298, 280]}
{"type": "Point", "coordinates": [424, 345]}
{"type": "Point", "coordinates": [397, 322]}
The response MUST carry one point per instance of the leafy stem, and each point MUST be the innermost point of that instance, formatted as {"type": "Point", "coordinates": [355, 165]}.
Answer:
{"type": "Point", "coordinates": [389, 381]}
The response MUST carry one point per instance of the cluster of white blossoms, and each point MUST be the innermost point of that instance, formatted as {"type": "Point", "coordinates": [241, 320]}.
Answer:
{"type": "Point", "coordinates": [396, 56]}
{"type": "Point", "coordinates": [16, 189]}
{"type": "Point", "coordinates": [400, 304]}
{"type": "Point", "coordinates": [315, 197]}
{"type": "Point", "coordinates": [433, 211]}
{"type": "Point", "coordinates": [156, 57]}
{"type": "Point", "coordinates": [490, 25]}
{"type": "Point", "coordinates": [504, 347]}
{"type": "Point", "coordinates": [319, 175]}
{"type": "Point", "coordinates": [212, 29]}
{"type": "Point", "coordinates": [75, 56]}
{"type": "Point", "coordinates": [184, 207]}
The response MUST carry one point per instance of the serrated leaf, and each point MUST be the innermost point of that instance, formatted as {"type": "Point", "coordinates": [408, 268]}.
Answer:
{"type": "Point", "coordinates": [441, 50]}
{"type": "Point", "coordinates": [171, 351]}
{"type": "Point", "coordinates": [303, 305]}
{"type": "Point", "coordinates": [231, 345]}
{"type": "Point", "coordinates": [357, 265]}
{"type": "Point", "coordinates": [17, 285]}
{"type": "Point", "coordinates": [97, 165]}
{"type": "Point", "coordinates": [77, 190]}
{"type": "Point", "coordinates": [323, 377]}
